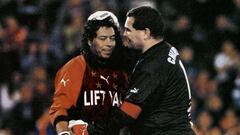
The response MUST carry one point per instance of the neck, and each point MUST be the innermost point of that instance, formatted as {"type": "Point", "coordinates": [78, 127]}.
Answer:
{"type": "Point", "coordinates": [94, 60]}
{"type": "Point", "coordinates": [150, 43]}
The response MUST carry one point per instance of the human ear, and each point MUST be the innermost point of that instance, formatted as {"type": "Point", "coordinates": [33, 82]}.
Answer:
{"type": "Point", "coordinates": [89, 43]}
{"type": "Point", "coordinates": [147, 33]}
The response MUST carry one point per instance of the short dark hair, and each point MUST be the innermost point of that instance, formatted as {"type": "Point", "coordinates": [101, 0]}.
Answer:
{"type": "Point", "coordinates": [92, 26]}
{"type": "Point", "coordinates": [147, 17]}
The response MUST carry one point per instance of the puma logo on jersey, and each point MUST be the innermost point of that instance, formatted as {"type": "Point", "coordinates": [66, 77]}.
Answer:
{"type": "Point", "coordinates": [134, 90]}
{"type": "Point", "coordinates": [64, 82]}
{"type": "Point", "coordinates": [106, 79]}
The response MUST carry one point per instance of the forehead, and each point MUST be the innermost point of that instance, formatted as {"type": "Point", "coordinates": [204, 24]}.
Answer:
{"type": "Point", "coordinates": [105, 31]}
{"type": "Point", "coordinates": [129, 22]}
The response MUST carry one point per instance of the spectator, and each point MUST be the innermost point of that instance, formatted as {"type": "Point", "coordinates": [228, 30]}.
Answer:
{"type": "Point", "coordinates": [236, 13]}
{"type": "Point", "coordinates": [72, 34]}
{"type": "Point", "coordinates": [47, 58]}
{"type": "Point", "coordinates": [15, 34]}
{"type": "Point", "coordinates": [229, 122]}
{"type": "Point", "coordinates": [30, 58]}
{"type": "Point", "coordinates": [226, 60]}
{"type": "Point", "coordinates": [181, 32]}
{"type": "Point", "coordinates": [187, 55]}
{"type": "Point", "coordinates": [23, 113]}
{"type": "Point", "coordinates": [204, 123]}
{"type": "Point", "coordinates": [224, 29]}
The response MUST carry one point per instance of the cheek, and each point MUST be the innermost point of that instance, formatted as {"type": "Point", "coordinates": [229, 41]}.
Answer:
{"type": "Point", "coordinates": [98, 47]}
{"type": "Point", "coordinates": [114, 45]}
{"type": "Point", "coordinates": [94, 47]}
{"type": "Point", "coordinates": [138, 42]}
{"type": "Point", "coordinates": [136, 37]}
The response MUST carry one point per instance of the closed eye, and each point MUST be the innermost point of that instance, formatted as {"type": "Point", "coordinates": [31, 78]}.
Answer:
{"type": "Point", "coordinates": [127, 29]}
{"type": "Point", "coordinates": [105, 37]}
{"type": "Point", "coordinates": [113, 37]}
{"type": "Point", "coordinates": [102, 37]}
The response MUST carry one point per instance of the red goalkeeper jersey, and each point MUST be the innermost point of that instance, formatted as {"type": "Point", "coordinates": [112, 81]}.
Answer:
{"type": "Point", "coordinates": [86, 92]}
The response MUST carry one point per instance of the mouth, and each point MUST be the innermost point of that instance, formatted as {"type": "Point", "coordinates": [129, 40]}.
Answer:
{"type": "Point", "coordinates": [126, 42]}
{"type": "Point", "coordinates": [108, 51]}
{"type": "Point", "coordinates": [106, 54]}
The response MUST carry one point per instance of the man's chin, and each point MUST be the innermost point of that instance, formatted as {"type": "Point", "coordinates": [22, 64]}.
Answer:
{"type": "Point", "coordinates": [128, 45]}
{"type": "Point", "coordinates": [106, 56]}
{"type": "Point", "coordinates": [131, 46]}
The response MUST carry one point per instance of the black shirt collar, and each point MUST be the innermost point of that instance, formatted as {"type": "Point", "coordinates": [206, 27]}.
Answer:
{"type": "Point", "coordinates": [152, 49]}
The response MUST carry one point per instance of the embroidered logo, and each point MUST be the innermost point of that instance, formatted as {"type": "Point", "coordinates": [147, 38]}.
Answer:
{"type": "Point", "coordinates": [64, 82]}
{"type": "Point", "coordinates": [106, 79]}
{"type": "Point", "coordinates": [134, 90]}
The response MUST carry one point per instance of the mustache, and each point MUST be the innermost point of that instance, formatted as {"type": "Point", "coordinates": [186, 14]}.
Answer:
{"type": "Point", "coordinates": [108, 49]}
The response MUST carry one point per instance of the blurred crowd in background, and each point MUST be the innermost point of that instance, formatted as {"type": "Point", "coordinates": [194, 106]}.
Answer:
{"type": "Point", "coordinates": [38, 36]}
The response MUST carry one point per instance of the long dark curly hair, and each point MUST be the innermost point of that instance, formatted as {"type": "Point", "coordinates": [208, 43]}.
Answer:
{"type": "Point", "coordinates": [119, 58]}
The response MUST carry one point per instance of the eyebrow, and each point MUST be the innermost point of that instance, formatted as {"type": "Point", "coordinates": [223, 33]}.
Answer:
{"type": "Point", "coordinates": [127, 29]}
{"type": "Point", "coordinates": [106, 35]}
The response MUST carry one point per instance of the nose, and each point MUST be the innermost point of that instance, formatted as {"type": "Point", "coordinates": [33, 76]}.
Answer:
{"type": "Point", "coordinates": [110, 42]}
{"type": "Point", "coordinates": [124, 33]}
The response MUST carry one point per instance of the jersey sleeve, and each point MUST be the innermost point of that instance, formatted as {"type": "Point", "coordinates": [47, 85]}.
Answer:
{"type": "Point", "coordinates": [68, 83]}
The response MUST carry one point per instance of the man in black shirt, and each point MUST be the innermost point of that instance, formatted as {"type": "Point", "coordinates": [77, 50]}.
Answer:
{"type": "Point", "coordinates": [159, 97]}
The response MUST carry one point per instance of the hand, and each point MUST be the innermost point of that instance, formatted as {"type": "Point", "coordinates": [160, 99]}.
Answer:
{"type": "Point", "coordinates": [78, 127]}
{"type": "Point", "coordinates": [62, 127]}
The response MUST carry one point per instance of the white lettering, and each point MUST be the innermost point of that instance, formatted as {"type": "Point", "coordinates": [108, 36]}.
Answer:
{"type": "Point", "coordinates": [115, 100]}
{"type": "Point", "coordinates": [103, 93]}
{"type": "Point", "coordinates": [173, 53]}
{"type": "Point", "coordinates": [91, 95]}
{"type": "Point", "coordinates": [96, 97]}
{"type": "Point", "coordinates": [86, 103]}
{"type": "Point", "coordinates": [111, 96]}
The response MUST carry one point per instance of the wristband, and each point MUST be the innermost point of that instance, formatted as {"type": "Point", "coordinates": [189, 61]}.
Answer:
{"type": "Point", "coordinates": [64, 133]}
{"type": "Point", "coordinates": [73, 123]}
